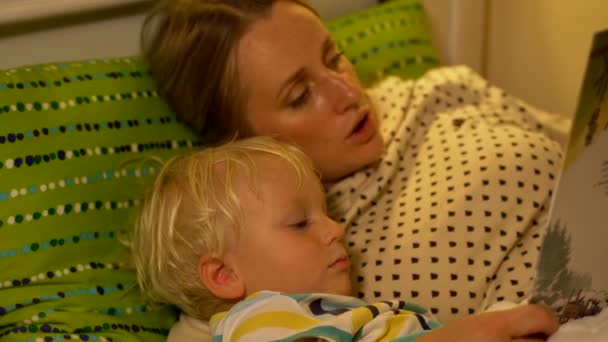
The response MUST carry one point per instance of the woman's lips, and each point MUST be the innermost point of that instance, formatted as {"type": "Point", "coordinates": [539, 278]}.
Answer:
{"type": "Point", "coordinates": [363, 131]}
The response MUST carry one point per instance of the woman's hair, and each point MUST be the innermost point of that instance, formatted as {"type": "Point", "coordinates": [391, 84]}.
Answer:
{"type": "Point", "coordinates": [185, 215]}
{"type": "Point", "coordinates": [191, 47]}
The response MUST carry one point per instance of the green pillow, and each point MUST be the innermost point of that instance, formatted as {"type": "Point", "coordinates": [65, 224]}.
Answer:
{"type": "Point", "coordinates": [69, 136]}
{"type": "Point", "coordinates": [388, 39]}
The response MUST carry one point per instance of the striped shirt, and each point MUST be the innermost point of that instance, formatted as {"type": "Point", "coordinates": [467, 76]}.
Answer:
{"type": "Point", "coordinates": [275, 316]}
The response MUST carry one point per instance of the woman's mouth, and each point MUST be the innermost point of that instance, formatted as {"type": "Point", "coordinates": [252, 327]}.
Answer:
{"type": "Point", "coordinates": [360, 125]}
{"type": "Point", "coordinates": [363, 130]}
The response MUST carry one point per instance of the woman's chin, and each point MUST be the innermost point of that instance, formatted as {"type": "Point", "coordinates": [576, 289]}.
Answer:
{"type": "Point", "coordinates": [372, 151]}
{"type": "Point", "coordinates": [353, 160]}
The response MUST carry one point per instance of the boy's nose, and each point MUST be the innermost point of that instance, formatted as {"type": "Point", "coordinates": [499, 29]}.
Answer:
{"type": "Point", "coordinates": [334, 231]}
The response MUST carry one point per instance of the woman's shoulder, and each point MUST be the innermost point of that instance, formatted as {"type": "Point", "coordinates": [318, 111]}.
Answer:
{"type": "Point", "coordinates": [393, 90]}
{"type": "Point", "coordinates": [453, 73]}
{"type": "Point", "coordinates": [388, 83]}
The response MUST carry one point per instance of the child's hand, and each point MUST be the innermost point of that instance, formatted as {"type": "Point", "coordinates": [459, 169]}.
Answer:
{"type": "Point", "coordinates": [525, 323]}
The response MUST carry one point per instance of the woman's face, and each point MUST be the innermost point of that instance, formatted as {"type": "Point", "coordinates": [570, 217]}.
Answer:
{"type": "Point", "coordinates": [299, 88]}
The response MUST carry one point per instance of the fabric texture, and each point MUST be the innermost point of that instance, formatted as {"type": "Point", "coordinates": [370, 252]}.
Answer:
{"type": "Point", "coordinates": [266, 316]}
{"type": "Point", "coordinates": [70, 180]}
{"type": "Point", "coordinates": [389, 39]}
{"type": "Point", "coordinates": [452, 216]}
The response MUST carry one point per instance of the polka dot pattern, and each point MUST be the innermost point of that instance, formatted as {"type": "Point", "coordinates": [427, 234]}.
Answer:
{"type": "Point", "coordinates": [62, 155]}
{"type": "Point", "coordinates": [71, 208]}
{"type": "Point", "coordinates": [56, 243]}
{"type": "Point", "coordinates": [52, 68]}
{"type": "Point", "coordinates": [76, 181]}
{"type": "Point", "coordinates": [451, 217]}
{"type": "Point", "coordinates": [87, 333]}
{"type": "Point", "coordinates": [55, 105]}
{"type": "Point", "coordinates": [98, 290]}
{"type": "Point", "coordinates": [12, 138]}
{"type": "Point", "coordinates": [71, 79]}
{"type": "Point", "coordinates": [50, 274]}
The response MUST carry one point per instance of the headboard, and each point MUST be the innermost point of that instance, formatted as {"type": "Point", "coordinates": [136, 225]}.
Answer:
{"type": "Point", "coordinates": [40, 31]}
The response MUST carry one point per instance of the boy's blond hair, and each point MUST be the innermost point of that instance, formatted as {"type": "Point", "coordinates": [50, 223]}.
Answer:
{"type": "Point", "coordinates": [186, 213]}
{"type": "Point", "coordinates": [191, 47]}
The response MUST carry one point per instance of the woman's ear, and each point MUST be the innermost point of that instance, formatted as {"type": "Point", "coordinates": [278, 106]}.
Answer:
{"type": "Point", "coordinates": [220, 279]}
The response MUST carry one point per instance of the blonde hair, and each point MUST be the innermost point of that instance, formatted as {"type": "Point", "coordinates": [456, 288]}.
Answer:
{"type": "Point", "coordinates": [186, 213]}
{"type": "Point", "coordinates": [191, 47]}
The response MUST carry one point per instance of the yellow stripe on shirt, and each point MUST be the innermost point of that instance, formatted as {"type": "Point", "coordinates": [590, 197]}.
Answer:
{"type": "Point", "coordinates": [288, 320]}
{"type": "Point", "coordinates": [217, 317]}
{"type": "Point", "coordinates": [360, 317]}
{"type": "Point", "coordinates": [395, 326]}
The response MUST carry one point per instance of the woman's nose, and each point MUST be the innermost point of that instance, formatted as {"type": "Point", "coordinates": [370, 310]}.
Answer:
{"type": "Point", "coordinates": [343, 91]}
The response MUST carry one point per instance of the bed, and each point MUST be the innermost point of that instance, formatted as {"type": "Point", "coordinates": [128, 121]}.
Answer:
{"type": "Point", "coordinates": [76, 103]}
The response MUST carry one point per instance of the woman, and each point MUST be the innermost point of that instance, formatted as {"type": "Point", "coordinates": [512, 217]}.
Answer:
{"type": "Point", "coordinates": [443, 183]}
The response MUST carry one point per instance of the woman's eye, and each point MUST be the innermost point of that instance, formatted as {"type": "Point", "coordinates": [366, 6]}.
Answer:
{"type": "Point", "coordinates": [334, 62]}
{"type": "Point", "coordinates": [300, 100]}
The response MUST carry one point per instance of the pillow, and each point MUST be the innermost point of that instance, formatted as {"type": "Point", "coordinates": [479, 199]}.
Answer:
{"type": "Point", "coordinates": [389, 39]}
{"type": "Point", "coordinates": [69, 184]}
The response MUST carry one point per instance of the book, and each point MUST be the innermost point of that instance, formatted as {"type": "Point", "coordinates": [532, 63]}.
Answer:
{"type": "Point", "coordinates": [572, 269]}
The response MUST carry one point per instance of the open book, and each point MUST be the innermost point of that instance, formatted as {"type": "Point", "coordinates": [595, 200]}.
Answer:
{"type": "Point", "coordinates": [572, 275]}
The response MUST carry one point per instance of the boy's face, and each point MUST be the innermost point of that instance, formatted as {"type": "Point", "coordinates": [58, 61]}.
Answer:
{"type": "Point", "coordinates": [288, 243]}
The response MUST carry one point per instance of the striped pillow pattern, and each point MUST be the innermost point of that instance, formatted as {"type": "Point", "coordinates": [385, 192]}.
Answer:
{"type": "Point", "coordinates": [71, 140]}
{"type": "Point", "coordinates": [389, 39]}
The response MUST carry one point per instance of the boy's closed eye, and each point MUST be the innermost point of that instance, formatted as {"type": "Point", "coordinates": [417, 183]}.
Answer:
{"type": "Point", "coordinates": [300, 224]}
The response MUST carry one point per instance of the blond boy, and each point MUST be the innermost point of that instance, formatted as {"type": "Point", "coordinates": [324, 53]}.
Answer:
{"type": "Point", "coordinates": [239, 234]}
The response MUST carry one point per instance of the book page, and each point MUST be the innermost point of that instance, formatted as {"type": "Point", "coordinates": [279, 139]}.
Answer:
{"type": "Point", "coordinates": [572, 271]}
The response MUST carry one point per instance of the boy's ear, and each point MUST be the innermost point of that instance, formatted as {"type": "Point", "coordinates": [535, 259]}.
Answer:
{"type": "Point", "coordinates": [220, 279]}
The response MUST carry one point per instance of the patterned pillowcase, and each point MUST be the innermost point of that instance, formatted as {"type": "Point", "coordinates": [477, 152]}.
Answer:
{"type": "Point", "coordinates": [69, 134]}
{"type": "Point", "coordinates": [388, 39]}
